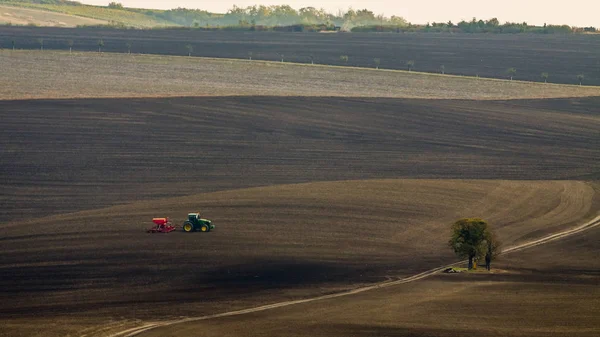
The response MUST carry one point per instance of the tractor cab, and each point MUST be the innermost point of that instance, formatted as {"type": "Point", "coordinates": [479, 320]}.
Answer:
{"type": "Point", "coordinates": [195, 222]}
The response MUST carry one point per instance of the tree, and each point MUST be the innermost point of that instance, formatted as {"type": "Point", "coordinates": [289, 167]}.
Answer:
{"type": "Point", "coordinates": [190, 49]}
{"type": "Point", "coordinates": [41, 42]}
{"type": "Point", "coordinates": [70, 43]}
{"type": "Point", "coordinates": [443, 69]}
{"type": "Point", "coordinates": [115, 5]}
{"type": "Point", "coordinates": [511, 72]}
{"type": "Point", "coordinates": [377, 62]}
{"type": "Point", "coordinates": [545, 77]}
{"type": "Point", "coordinates": [100, 45]}
{"type": "Point", "coordinates": [410, 64]}
{"type": "Point", "coordinates": [128, 44]}
{"type": "Point", "coordinates": [580, 78]}
{"type": "Point", "coordinates": [344, 58]}
{"type": "Point", "coordinates": [472, 238]}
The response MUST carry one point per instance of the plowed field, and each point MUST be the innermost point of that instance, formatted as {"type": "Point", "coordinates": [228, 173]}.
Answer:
{"type": "Point", "coordinates": [109, 151]}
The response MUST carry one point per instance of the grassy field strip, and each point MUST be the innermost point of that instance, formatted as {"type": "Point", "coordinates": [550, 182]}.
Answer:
{"type": "Point", "coordinates": [550, 238]}
{"type": "Point", "coordinates": [406, 72]}
{"type": "Point", "coordinates": [58, 74]}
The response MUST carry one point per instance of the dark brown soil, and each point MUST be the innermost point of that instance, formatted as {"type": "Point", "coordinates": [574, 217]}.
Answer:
{"type": "Point", "coordinates": [549, 290]}
{"type": "Point", "coordinates": [67, 155]}
{"type": "Point", "coordinates": [487, 55]}
{"type": "Point", "coordinates": [271, 244]}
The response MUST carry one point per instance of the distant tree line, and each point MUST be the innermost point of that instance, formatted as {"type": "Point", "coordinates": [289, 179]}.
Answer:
{"type": "Point", "coordinates": [271, 16]}
{"type": "Point", "coordinates": [478, 26]}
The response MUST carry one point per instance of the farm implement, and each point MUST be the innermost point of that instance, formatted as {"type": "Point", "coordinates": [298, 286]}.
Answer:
{"type": "Point", "coordinates": [161, 225]}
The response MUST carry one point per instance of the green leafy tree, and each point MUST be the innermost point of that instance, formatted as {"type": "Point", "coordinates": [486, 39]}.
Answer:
{"type": "Point", "coordinates": [100, 45]}
{"type": "Point", "coordinates": [545, 77]}
{"type": "Point", "coordinates": [511, 72]}
{"type": "Point", "coordinates": [472, 238]}
{"type": "Point", "coordinates": [190, 49]}
{"type": "Point", "coordinates": [377, 62]}
{"type": "Point", "coordinates": [410, 64]}
{"type": "Point", "coordinates": [580, 78]}
{"type": "Point", "coordinates": [344, 58]}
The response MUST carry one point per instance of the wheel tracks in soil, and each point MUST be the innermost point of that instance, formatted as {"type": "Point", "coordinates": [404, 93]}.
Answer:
{"type": "Point", "coordinates": [549, 238]}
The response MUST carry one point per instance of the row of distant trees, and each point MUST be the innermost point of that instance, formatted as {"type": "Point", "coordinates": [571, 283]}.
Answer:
{"type": "Point", "coordinates": [410, 64]}
{"type": "Point", "coordinates": [480, 26]}
{"type": "Point", "coordinates": [277, 15]}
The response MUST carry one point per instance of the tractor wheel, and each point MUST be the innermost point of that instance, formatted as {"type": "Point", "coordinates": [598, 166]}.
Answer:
{"type": "Point", "coordinates": [204, 228]}
{"type": "Point", "coordinates": [188, 227]}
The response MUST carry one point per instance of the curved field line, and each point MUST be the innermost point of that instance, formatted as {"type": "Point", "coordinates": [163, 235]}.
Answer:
{"type": "Point", "coordinates": [550, 238]}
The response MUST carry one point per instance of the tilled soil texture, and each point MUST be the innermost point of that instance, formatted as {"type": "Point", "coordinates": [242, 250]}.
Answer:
{"type": "Point", "coordinates": [60, 156]}
{"type": "Point", "coordinates": [51, 75]}
{"type": "Point", "coordinates": [270, 244]}
{"type": "Point", "coordinates": [550, 290]}
{"type": "Point", "coordinates": [487, 55]}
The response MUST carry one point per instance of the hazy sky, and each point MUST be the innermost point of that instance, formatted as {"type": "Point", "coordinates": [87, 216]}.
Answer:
{"type": "Point", "coordinates": [574, 12]}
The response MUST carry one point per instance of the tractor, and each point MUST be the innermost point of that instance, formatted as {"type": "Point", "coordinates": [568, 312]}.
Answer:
{"type": "Point", "coordinates": [195, 223]}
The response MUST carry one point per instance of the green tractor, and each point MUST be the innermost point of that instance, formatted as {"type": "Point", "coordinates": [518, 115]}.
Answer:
{"type": "Point", "coordinates": [195, 223]}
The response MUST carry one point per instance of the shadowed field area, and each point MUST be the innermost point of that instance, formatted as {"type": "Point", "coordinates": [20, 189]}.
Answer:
{"type": "Point", "coordinates": [271, 244]}
{"type": "Point", "coordinates": [66, 155]}
{"type": "Point", "coordinates": [549, 290]}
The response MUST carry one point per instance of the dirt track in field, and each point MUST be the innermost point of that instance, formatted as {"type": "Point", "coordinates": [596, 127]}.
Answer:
{"type": "Point", "coordinates": [541, 291]}
{"type": "Point", "coordinates": [191, 325]}
{"type": "Point", "coordinates": [271, 244]}
{"type": "Point", "coordinates": [103, 152]}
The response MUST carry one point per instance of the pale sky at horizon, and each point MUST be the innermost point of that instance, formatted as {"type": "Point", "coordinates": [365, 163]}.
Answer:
{"type": "Point", "coordinates": [574, 13]}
